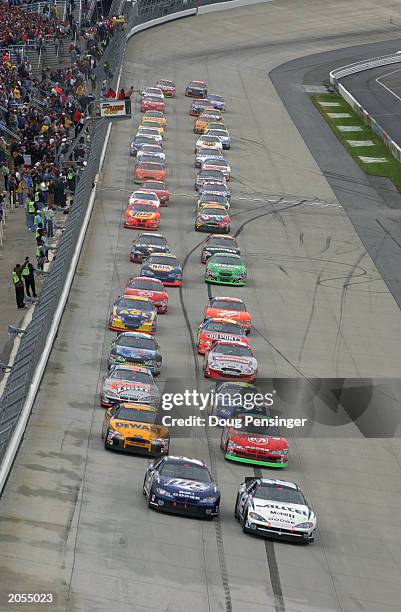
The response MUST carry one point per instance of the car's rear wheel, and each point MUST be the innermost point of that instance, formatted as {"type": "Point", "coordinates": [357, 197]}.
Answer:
{"type": "Point", "coordinates": [236, 513]}
{"type": "Point", "coordinates": [106, 446]}
{"type": "Point", "coordinates": [243, 523]}
{"type": "Point", "coordinates": [143, 486]}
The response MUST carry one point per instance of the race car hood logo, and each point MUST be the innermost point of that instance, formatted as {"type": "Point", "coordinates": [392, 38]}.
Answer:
{"type": "Point", "coordinates": [233, 359]}
{"type": "Point", "coordinates": [142, 214]}
{"type": "Point", "coordinates": [220, 336]}
{"type": "Point", "coordinates": [161, 267]}
{"type": "Point", "coordinates": [133, 352]}
{"type": "Point", "coordinates": [281, 514]}
{"type": "Point", "coordinates": [122, 386]}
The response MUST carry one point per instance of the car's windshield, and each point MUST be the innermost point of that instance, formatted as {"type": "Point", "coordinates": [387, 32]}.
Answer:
{"type": "Point", "coordinates": [212, 187]}
{"type": "Point", "coordinates": [150, 166]}
{"type": "Point", "coordinates": [143, 195]}
{"type": "Point", "coordinates": [144, 378]}
{"type": "Point", "coordinates": [229, 261]}
{"type": "Point", "coordinates": [133, 414]}
{"type": "Point", "coordinates": [168, 261]}
{"type": "Point", "coordinates": [216, 161]}
{"type": "Point", "coordinates": [221, 242]}
{"type": "Point", "coordinates": [134, 304]}
{"type": "Point", "coordinates": [224, 305]}
{"type": "Point", "coordinates": [279, 493]}
{"type": "Point", "coordinates": [136, 342]}
{"type": "Point", "coordinates": [150, 185]}
{"type": "Point", "coordinates": [228, 349]}
{"type": "Point", "coordinates": [216, 199]}
{"type": "Point", "coordinates": [226, 328]}
{"type": "Point", "coordinates": [150, 285]}
{"type": "Point", "coordinates": [188, 471]}
{"type": "Point", "coordinates": [208, 138]}
{"type": "Point", "coordinates": [156, 240]}
{"type": "Point", "coordinates": [209, 210]}
{"type": "Point", "coordinates": [142, 207]}
{"type": "Point", "coordinates": [216, 98]}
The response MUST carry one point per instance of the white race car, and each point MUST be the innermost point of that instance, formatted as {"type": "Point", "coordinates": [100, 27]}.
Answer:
{"type": "Point", "coordinates": [226, 360]}
{"type": "Point", "coordinates": [275, 508]}
{"type": "Point", "coordinates": [208, 142]}
{"type": "Point", "coordinates": [153, 150]}
{"type": "Point", "coordinates": [139, 195]}
{"type": "Point", "coordinates": [153, 91]}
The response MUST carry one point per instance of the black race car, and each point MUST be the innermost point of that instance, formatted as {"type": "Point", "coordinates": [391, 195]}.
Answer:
{"type": "Point", "coordinates": [196, 89]}
{"type": "Point", "coordinates": [217, 243]}
{"type": "Point", "coordinates": [145, 244]}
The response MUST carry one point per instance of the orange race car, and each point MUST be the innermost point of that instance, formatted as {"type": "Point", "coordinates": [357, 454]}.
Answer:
{"type": "Point", "coordinates": [229, 308]}
{"type": "Point", "coordinates": [145, 171]}
{"type": "Point", "coordinates": [142, 214]}
{"type": "Point", "coordinates": [209, 115]}
{"type": "Point", "coordinates": [218, 329]}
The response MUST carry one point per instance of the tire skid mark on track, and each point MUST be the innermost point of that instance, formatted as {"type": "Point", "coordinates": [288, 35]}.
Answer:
{"type": "Point", "coordinates": [213, 468]}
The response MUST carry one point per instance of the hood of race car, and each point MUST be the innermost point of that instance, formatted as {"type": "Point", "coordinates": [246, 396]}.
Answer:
{"type": "Point", "coordinates": [282, 515]}
{"type": "Point", "coordinates": [132, 352]}
{"type": "Point", "coordinates": [231, 361]}
{"type": "Point", "coordinates": [234, 269]}
{"type": "Point", "coordinates": [133, 314]}
{"type": "Point", "coordinates": [188, 489]}
{"type": "Point", "coordinates": [139, 430]}
{"type": "Point", "coordinates": [255, 440]}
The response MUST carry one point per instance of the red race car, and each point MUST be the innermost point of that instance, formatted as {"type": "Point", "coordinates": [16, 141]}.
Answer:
{"type": "Point", "coordinates": [142, 215]}
{"type": "Point", "coordinates": [151, 288]}
{"type": "Point", "coordinates": [254, 442]}
{"type": "Point", "coordinates": [152, 103]}
{"type": "Point", "coordinates": [159, 188]}
{"type": "Point", "coordinates": [226, 360]}
{"type": "Point", "coordinates": [229, 308]}
{"type": "Point", "coordinates": [149, 171]}
{"type": "Point", "coordinates": [218, 329]}
{"type": "Point", "coordinates": [168, 87]}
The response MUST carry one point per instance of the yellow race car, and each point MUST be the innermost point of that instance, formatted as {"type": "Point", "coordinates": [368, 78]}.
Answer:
{"type": "Point", "coordinates": [135, 428]}
{"type": "Point", "coordinates": [133, 313]}
{"type": "Point", "coordinates": [209, 115]}
{"type": "Point", "coordinates": [149, 123]}
{"type": "Point", "coordinates": [155, 116]}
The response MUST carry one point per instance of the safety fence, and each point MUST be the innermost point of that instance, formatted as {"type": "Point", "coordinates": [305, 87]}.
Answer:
{"type": "Point", "coordinates": [344, 71]}
{"type": "Point", "coordinates": [36, 342]}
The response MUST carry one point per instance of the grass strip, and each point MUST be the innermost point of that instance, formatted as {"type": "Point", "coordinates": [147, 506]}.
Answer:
{"type": "Point", "coordinates": [390, 169]}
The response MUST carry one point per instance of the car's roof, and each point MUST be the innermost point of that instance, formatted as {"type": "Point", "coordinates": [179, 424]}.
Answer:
{"type": "Point", "coordinates": [134, 297]}
{"type": "Point", "coordinates": [134, 334]}
{"type": "Point", "coordinates": [181, 459]}
{"type": "Point", "coordinates": [144, 407]}
{"type": "Point", "coordinates": [170, 255]}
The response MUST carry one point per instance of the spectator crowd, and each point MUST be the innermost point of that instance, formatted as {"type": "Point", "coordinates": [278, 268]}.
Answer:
{"type": "Point", "coordinates": [39, 118]}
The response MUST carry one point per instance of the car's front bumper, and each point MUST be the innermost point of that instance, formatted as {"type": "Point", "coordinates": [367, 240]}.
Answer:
{"type": "Point", "coordinates": [219, 281]}
{"type": "Point", "coordinates": [180, 507]}
{"type": "Point", "coordinates": [137, 449]}
{"type": "Point", "coordinates": [252, 461]}
{"type": "Point", "coordinates": [277, 532]}
{"type": "Point", "coordinates": [144, 225]}
{"type": "Point", "coordinates": [119, 326]}
{"type": "Point", "coordinates": [219, 375]}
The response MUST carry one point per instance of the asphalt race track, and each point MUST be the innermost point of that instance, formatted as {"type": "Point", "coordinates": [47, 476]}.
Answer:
{"type": "Point", "coordinates": [73, 520]}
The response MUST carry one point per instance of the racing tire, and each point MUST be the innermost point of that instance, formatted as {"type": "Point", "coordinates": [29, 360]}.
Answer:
{"type": "Point", "coordinates": [244, 527]}
{"type": "Point", "coordinates": [106, 446]}
{"type": "Point", "coordinates": [143, 487]}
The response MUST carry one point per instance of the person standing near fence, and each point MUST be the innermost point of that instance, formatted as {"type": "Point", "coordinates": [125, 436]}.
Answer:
{"type": "Point", "coordinates": [49, 215]}
{"type": "Point", "coordinates": [19, 286]}
{"type": "Point", "coordinates": [11, 190]}
{"type": "Point", "coordinates": [20, 191]}
{"type": "Point", "coordinates": [5, 171]}
{"type": "Point", "coordinates": [30, 212]}
{"type": "Point", "coordinates": [28, 274]}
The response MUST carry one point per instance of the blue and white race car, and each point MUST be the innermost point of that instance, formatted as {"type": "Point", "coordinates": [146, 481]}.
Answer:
{"type": "Point", "coordinates": [136, 348]}
{"type": "Point", "coordinates": [163, 266]}
{"type": "Point", "coordinates": [182, 486]}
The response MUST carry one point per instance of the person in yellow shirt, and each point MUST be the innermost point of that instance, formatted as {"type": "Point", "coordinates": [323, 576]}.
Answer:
{"type": "Point", "coordinates": [20, 192]}
{"type": "Point", "coordinates": [17, 93]}
{"type": "Point", "coordinates": [80, 91]}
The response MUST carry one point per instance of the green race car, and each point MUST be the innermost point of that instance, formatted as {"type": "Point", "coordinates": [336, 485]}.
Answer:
{"type": "Point", "coordinates": [226, 269]}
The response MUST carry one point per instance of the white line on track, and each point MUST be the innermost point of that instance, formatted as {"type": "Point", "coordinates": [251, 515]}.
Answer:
{"type": "Point", "coordinates": [378, 81]}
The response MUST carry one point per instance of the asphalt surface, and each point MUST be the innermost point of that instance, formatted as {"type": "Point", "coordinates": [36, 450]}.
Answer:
{"type": "Point", "coordinates": [73, 520]}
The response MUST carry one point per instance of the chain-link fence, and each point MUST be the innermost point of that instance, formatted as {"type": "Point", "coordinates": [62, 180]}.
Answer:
{"type": "Point", "coordinates": [34, 339]}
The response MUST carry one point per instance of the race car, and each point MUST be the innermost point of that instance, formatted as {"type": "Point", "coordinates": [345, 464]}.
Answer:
{"type": "Point", "coordinates": [145, 244]}
{"type": "Point", "coordinates": [253, 442]}
{"type": "Point", "coordinates": [208, 142]}
{"type": "Point", "coordinates": [205, 176]}
{"type": "Point", "coordinates": [135, 428]}
{"type": "Point", "coordinates": [133, 313]}
{"type": "Point", "coordinates": [222, 133]}
{"type": "Point", "coordinates": [213, 217]}
{"type": "Point", "coordinates": [218, 329]}
{"type": "Point", "coordinates": [217, 101]}
{"type": "Point", "coordinates": [181, 485]}
{"type": "Point", "coordinates": [214, 188]}
{"type": "Point", "coordinates": [145, 171]}
{"type": "Point", "coordinates": [226, 360]}
{"type": "Point", "coordinates": [211, 199]}
{"type": "Point", "coordinates": [168, 87]}
{"type": "Point", "coordinates": [159, 187]}
{"type": "Point", "coordinates": [129, 383]}
{"type": "Point", "coordinates": [139, 142]}
{"type": "Point", "coordinates": [153, 91]}
{"type": "Point", "coordinates": [232, 398]}
{"type": "Point", "coordinates": [198, 106]}
{"type": "Point", "coordinates": [138, 349]}
{"type": "Point", "coordinates": [153, 150]}
{"type": "Point", "coordinates": [196, 89]}
{"type": "Point", "coordinates": [219, 243]}
{"type": "Point", "coordinates": [152, 103]}
{"type": "Point", "coordinates": [144, 196]}
{"type": "Point", "coordinates": [208, 116]}
{"type": "Point", "coordinates": [142, 215]}
{"type": "Point", "coordinates": [204, 154]}
{"type": "Point", "coordinates": [152, 133]}
{"type": "Point", "coordinates": [152, 124]}
{"type": "Point", "coordinates": [151, 288]}
{"type": "Point", "coordinates": [275, 509]}
{"type": "Point", "coordinates": [217, 163]}
{"type": "Point", "coordinates": [226, 269]}
{"type": "Point", "coordinates": [163, 266]}
{"type": "Point", "coordinates": [155, 116]}
{"type": "Point", "coordinates": [232, 308]}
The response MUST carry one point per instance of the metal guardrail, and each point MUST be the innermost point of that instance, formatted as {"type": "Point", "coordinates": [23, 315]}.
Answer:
{"type": "Point", "coordinates": [375, 62]}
